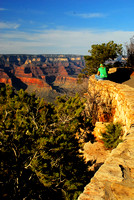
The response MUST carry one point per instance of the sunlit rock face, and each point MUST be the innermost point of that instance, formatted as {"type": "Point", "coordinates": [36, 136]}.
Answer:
{"type": "Point", "coordinates": [112, 102]}
{"type": "Point", "coordinates": [47, 72]}
{"type": "Point", "coordinates": [115, 178]}
{"type": "Point", "coordinates": [4, 78]}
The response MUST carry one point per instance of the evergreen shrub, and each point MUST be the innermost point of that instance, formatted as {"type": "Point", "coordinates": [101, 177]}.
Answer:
{"type": "Point", "coordinates": [112, 136]}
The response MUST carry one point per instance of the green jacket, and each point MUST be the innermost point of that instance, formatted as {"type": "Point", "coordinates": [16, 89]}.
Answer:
{"type": "Point", "coordinates": [103, 72]}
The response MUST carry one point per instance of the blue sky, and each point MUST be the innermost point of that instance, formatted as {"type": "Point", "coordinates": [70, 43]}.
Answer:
{"type": "Point", "coordinates": [63, 26]}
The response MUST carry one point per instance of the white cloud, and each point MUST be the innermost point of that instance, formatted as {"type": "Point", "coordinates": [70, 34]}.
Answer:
{"type": "Point", "coordinates": [59, 41]}
{"type": "Point", "coordinates": [7, 25]}
{"type": "Point", "coordinates": [90, 15]}
{"type": "Point", "coordinates": [87, 15]}
{"type": "Point", "coordinates": [3, 9]}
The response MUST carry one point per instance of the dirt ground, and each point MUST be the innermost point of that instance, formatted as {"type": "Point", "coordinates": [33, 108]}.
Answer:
{"type": "Point", "coordinates": [130, 82]}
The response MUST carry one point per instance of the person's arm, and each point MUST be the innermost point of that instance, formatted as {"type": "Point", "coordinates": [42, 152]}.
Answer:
{"type": "Point", "coordinates": [98, 73]}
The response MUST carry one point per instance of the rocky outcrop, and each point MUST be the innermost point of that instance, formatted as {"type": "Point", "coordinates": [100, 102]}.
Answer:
{"type": "Point", "coordinates": [111, 102]}
{"type": "Point", "coordinates": [34, 81]}
{"type": "Point", "coordinates": [42, 71]}
{"type": "Point", "coordinates": [96, 154]}
{"type": "Point", "coordinates": [66, 81]}
{"type": "Point", "coordinates": [4, 78]}
{"type": "Point", "coordinates": [115, 178]}
{"type": "Point", "coordinates": [62, 71]}
{"type": "Point", "coordinates": [31, 75]}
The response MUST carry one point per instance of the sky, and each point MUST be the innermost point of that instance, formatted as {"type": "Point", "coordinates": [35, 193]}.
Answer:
{"type": "Point", "coordinates": [63, 26]}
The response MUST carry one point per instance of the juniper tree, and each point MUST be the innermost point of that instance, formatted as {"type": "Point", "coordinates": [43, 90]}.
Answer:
{"type": "Point", "coordinates": [39, 151]}
{"type": "Point", "coordinates": [99, 53]}
{"type": "Point", "coordinates": [112, 136]}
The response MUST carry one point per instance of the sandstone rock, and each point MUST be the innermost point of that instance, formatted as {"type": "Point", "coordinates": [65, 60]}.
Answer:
{"type": "Point", "coordinates": [62, 71]}
{"type": "Point", "coordinates": [34, 81]}
{"type": "Point", "coordinates": [4, 78]}
{"type": "Point", "coordinates": [100, 127]}
{"type": "Point", "coordinates": [66, 81]}
{"type": "Point", "coordinates": [6, 81]}
{"type": "Point", "coordinates": [95, 153]}
{"type": "Point", "coordinates": [112, 70]}
{"type": "Point", "coordinates": [112, 100]}
{"type": "Point", "coordinates": [115, 178]}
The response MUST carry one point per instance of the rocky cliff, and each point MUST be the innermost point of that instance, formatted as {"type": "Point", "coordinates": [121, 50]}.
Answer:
{"type": "Point", "coordinates": [115, 178]}
{"type": "Point", "coordinates": [4, 78]}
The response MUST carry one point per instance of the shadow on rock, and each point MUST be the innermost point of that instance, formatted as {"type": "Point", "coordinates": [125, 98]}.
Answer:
{"type": "Point", "coordinates": [121, 75]}
{"type": "Point", "coordinates": [16, 82]}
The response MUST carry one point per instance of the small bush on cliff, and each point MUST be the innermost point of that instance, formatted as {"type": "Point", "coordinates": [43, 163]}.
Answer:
{"type": "Point", "coordinates": [111, 137]}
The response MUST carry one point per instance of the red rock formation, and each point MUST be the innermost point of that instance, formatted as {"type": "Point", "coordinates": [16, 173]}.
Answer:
{"type": "Point", "coordinates": [68, 81]}
{"type": "Point", "coordinates": [43, 77]}
{"type": "Point", "coordinates": [62, 71]}
{"type": "Point", "coordinates": [4, 78]}
{"type": "Point", "coordinates": [6, 81]}
{"type": "Point", "coordinates": [48, 69]}
{"type": "Point", "coordinates": [19, 72]}
{"type": "Point", "coordinates": [35, 81]}
{"type": "Point", "coordinates": [29, 78]}
{"type": "Point", "coordinates": [36, 71]}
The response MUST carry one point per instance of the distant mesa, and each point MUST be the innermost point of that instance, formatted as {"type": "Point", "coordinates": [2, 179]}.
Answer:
{"type": "Point", "coordinates": [47, 71]}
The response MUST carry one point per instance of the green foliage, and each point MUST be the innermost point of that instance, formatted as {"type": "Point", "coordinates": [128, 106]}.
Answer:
{"type": "Point", "coordinates": [81, 77]}
{"type": "Point", "coordinates": [20, 127]}
{"type": "Point", "coordinates": [39, 151]}
{"type": "Point", "coordinates": [112, 136]}
{"type": "Point", "coordinates": [99, 54]}
{"type": "Point", "coordinates": [69, 112]}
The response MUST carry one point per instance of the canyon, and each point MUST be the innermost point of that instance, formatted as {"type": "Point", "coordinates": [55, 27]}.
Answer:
{"type": "Point", "coordinates": [107, 101]}
{"type": "Point", "coordinates": [114, 179]}
{"type": "Point", "coordinates": [48, 75]}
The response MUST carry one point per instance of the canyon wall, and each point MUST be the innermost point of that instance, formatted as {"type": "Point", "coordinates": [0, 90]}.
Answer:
{"type": "Point", "coordinates": [46, 75]}
{"type": "Point", "coordinates": [115, 178]}
{"type": "Point", "coordinates": [41, 70]}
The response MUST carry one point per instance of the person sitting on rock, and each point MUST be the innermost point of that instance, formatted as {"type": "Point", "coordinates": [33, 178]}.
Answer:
{"type": "Point", "coordinates": [102, 73]}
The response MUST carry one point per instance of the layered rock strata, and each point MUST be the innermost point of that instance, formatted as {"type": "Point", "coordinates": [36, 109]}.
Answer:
{"type": "Point", "coordinates": [34, 76]}
{"type": "Point", "coordinates": [115, 178]}
{"type": "Point", "coordinates": [4, 78]}
{"type": "Point", "coordinates": [41, 71]}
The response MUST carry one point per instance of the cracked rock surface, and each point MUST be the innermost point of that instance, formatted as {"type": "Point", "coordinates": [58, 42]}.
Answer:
{"type": "Point", "coordinates": [115, 178]}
